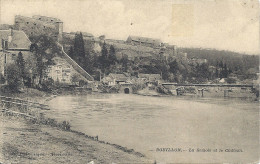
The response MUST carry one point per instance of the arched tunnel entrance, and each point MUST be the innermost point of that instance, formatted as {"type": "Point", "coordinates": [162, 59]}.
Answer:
{"type": "Point", "coordinates": [126, 91]}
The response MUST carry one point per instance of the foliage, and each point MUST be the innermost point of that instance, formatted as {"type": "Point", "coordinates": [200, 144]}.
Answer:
{"type": "Point", "coordinates": [79, 49]}
{"type": "Point", "coordinates": [112, 56]}
{"type": "Point", "coordinates": [2, 78]}
{"type": "Point", "coordinates": [21, 64]}
{"type": "Point", "coordinates": [124, 61]}
{"type": "Point", "coordinates": [75, 78]}
{"type": "Point", "coordinates": [103, 59]}
{"type": "Point", "coordinates": [220, 64]}
{"type": "Point", "coordinates": [44, 49]}
{"type": "Point", "coordinates": [14, 79]}
{"type": "Point", "coordinates": [231, 80]}
{"type": "Point", "coordinates": [48, 85]}
{"type": "Point", "coordinates": [237, 62]}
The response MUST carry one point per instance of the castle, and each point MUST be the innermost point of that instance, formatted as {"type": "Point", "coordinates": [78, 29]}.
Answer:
{"type": "Point", "coordinates": [39, 25]}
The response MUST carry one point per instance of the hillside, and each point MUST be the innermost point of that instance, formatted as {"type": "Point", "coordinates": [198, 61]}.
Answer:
{"type": "Point", "coordinates": [188, 65]}
{"type": "Point", "coordinates": [233, 59]}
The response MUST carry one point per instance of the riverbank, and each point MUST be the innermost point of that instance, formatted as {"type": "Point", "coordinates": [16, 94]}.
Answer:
{"type": "Point", "coordinates": [42, 140]}
{"type": "Point", "coordinates": [24, 142]}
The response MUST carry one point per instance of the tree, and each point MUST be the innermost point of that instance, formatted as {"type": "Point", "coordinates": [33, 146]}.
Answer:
{"type": "Point", "coordinates": [125, 62]}
{"type": "Point", "coordinates": [71, 52]}
{"type": "Point", "coordinates": [88, 62]}
{"type": "Point", "coordinates": [216, 73]}
{"type": "Point", "coordinates": [2, 78]}
{"type": "Point", "coordinates": [14, 80]}
{"type": "Point", "coordinates": [44, 49]}
{"type": "Point", "coordinates": [103, 59]}
{"type": "Point", "coordinates": [173, 67]}
{"type": "Point", "coordinates": [21, 64]}
{"type": "Point", "coordinates": [112, 55]}
{"type": "Point", "coordinates": [79, 49]}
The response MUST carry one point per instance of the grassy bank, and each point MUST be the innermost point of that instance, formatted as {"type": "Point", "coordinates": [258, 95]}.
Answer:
{"type": "Point", "coordinates": [24, 142]}
{"type": "Point", "coordinates": [29, 137]}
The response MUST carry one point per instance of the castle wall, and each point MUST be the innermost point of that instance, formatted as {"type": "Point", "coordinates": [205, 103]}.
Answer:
{"type": "Point", "coordinates": [35, 26]}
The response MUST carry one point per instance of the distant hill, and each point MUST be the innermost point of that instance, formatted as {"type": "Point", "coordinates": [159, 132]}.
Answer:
{"type": "Point", "coordinates": [233, 59]}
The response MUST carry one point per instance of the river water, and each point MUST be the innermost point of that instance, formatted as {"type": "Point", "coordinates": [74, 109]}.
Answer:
{"type": "Point", "coordinates": [181, 123]}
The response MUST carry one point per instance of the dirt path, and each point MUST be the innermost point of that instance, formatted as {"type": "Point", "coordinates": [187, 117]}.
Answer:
{"type": "Point", "coordinates": [23, 142]}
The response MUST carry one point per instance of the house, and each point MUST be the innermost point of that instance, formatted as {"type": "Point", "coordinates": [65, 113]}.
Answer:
{"type": "Point", "coordinates": [12, 42]}
{"type": "Point", "coordinates": [150, 77]}
{"type": "Point", "coordinates": [143, 41]}
{"type": "Point", "coordinates": [114, 79]}
{"type": "Point", "coordinates": [60, 72]}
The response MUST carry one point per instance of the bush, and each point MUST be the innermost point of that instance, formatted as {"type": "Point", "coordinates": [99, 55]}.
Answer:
{"type": "Point", "coordinates": [48, 85]}
{"type": "Point", "coordinates": [231, 80]}
{"type": "Point", "coordinates": [2, 79]}
{"type": "Point", "coordinates": [14, 78]}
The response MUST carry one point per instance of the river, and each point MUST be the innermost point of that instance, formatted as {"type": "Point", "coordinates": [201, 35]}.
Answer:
{"type": "Point", "coordinates": [180, 123]}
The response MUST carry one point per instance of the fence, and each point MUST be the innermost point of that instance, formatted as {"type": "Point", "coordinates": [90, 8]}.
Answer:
{"type": "Point", "coordinates": [21, 102]}
{"type": "Point", "coordinates": [16, 106]}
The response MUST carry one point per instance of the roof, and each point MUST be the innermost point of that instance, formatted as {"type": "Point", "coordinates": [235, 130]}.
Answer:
{"type": "Point", "coordinates": [149, 76]}
{"type": "Point", "coordinates": [145, 40]}
{"type": "Point", "coordinates": [118, 77]}
{"type": "Point", "coordinates": [19, 40]}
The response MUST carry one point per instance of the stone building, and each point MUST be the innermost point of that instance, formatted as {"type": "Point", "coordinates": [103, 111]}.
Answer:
{"type": "Point", "coordinates": [116, 78]}
{"type": "Point", "coordinates": [143, 41]}
{"type": "Point", "coordinates": [12, 42]}
{"type": "Point", "coordinates": [59, 72]}
{"type": "Point", "coordinates": [39, 25]}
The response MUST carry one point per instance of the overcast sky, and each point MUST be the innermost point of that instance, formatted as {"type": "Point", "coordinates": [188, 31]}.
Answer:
{"type": "Point", "coordinates": [221, 24]}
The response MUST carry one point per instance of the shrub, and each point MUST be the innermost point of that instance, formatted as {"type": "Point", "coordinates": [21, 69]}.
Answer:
{"type": "Point", "coordinates": [2, 78]}
{"type": "Point", "coordinates": [14, 78]}
{"type": "Point", "coordinates": [231, 80]}
{"type": "Point", "coordinates": [48, 85]}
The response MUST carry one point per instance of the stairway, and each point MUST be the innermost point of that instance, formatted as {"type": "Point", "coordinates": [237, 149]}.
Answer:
{"type": "Point", "coordinates": [79, 69]}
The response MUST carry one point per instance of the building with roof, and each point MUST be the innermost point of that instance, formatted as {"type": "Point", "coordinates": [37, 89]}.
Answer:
{"type": "Point", "coordinates": [150, 77]}
{"type": "Point", "coordinates": [115, 78]}
{"type": "Point", "coordinates": [39, 25]}
{"type": "Point", "coordinates": [143, 41]}
{"type": "Point", "coordinates": [60, 72]}
{"type": "Point", "coordinates": [12, 42]}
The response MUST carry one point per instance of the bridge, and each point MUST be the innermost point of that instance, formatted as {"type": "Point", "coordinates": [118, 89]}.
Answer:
{"type": "Point", "coordinates": [220, 90]}
{"type": "Point", "coordinates": [209, 85]}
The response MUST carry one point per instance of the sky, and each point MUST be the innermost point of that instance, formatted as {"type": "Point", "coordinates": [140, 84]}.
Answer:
{"type": "Point", "coordinates": [220, 24]}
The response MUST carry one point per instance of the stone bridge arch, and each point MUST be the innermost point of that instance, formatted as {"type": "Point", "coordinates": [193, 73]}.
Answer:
{"type": "Point", "coordinates": [126, 89]}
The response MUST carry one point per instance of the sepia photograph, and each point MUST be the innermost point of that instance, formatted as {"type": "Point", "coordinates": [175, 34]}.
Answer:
{"type": "Point", "coordinates": [129, 81]}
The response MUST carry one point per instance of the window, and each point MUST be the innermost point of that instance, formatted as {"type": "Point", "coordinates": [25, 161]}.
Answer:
{"type": "Point", "coordinates": [27, 22]}
{"type": "Point", "coordinates": [40, 18]}
{"type": "Point", "coordinates": [43, 26]}
{"type": "Point", "coordinates": [51, 20]}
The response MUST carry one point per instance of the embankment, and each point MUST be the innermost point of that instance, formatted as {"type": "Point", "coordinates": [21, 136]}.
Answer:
{"type": "Point", "coordinates": [28, 137]}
